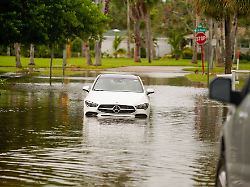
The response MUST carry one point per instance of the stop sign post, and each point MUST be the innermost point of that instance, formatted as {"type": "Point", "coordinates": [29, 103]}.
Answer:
{"type": "Point", "coordinates": [201, 40]}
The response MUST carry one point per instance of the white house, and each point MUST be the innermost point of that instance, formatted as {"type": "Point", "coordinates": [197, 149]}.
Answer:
{"type": "Point", "coordinates": [162, 48]}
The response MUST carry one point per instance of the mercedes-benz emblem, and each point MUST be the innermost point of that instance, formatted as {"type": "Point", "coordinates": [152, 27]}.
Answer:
{"type": "Point", "coordinates": [116, 109]}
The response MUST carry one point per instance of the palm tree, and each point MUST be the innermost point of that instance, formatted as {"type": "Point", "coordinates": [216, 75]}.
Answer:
{"type": "Point", "coordinates": [128, 30]}
{"type": "Point", "coordinates": [137, 8]}
{"type": "Point", "coordinates": [176, 41]}
{"type": "Point", "coordinates": [227, 11]}
{"type": "Point", "coordinates": [17, 47]}
{"type": "Point", "coordinates": [140, 11]}
{"type": "Point", "coordinates": [32, 52]}
{"type": "Point", "coordinates": [98, 43]}
{"type": "Point", "coordinates": [116, 43]}
{"type": "Point", "coordinates": [87, 53]}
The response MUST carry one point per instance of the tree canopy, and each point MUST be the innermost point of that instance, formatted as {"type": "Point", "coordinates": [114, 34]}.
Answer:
{"type": "Point", "coordinates": [49, 21]}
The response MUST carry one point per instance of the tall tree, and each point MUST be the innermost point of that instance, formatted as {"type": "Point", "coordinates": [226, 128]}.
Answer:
{"type": "Point", "coordinates": [219, 10]}
{"type": "Point", "coordinates": [71, 18]}
{"type": "Point", "coordinates": [175, 22]}
{"type": "Point", "coordinates": [104, 6]}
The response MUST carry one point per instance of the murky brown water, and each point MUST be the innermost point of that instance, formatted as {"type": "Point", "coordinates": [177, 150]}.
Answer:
{"type": "Point", "coordinates": [46, 141]}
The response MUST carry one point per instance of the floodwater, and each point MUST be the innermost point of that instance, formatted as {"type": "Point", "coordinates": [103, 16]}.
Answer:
{"type": "Point", "coordinates": [46, 141]}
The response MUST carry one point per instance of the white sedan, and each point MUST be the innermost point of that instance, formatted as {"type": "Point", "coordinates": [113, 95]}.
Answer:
{"type": "Point", "coordinates": [117, 95]}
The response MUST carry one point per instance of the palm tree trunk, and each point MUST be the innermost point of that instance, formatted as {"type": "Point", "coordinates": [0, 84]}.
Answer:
{"type": "Point", "coordinates": [149, 36]}
{"type": "Point", "coordinates": [98, 58]}
{"type": "Point", "coordinates": [51, 62]}
{"type": "Point", "coordinates": [137, 47]}
{"type": "Point", "coordinates": [32, 52]}
{"type": "Point", "coordinates": [234, 37]}
{"type": "Point", "coordinates": [17, 53]}
{"type": "Point", "coordinates": [8, 51]}
{"type": "Point", "coordinates": [210, 46]}
{"type": "Point", "coordinates": [194, 44]}
{"type": "Point", "coordinates": [153, 49]}
{"type": "Point", "coordinates": [83, 49]}
{"type": "Point", "coordinates": [228, 45]}
{"type": "Point", "coordinates": [128, 30]}
{"type": "Point", "coordinates": [218, 53]}
{"type": "Point", "coordinates": [87, 53]}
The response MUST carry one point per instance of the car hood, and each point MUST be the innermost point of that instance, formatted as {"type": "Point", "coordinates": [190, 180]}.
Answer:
{"type": "Point", "coordinates": [124, 98]}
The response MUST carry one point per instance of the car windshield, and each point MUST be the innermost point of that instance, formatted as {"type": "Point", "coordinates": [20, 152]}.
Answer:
{"type": "Point", "coordinates": [118, 84]}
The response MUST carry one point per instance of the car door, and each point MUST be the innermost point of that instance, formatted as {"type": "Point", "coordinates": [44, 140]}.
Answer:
{"type": "Point", "coordinates": [239, 139]}
{"type": "Point", "coordinates": [244, 122]}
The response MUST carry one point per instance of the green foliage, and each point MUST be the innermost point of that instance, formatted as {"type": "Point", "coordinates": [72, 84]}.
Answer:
{"type": "Point", "coordinates": [121, 51]}
{"type": "Point", "coordinates": [118, 14]}
{"type": "Point", "coordinates": [187, 53]}
{"type": "Point", "coordinates": [143, 52]}
{"type": "Point", "coordinates": [175, 40]}
{"type": "Point", "coordinates": [49, 21]}
{"type": "Point", "coordinates": [245, 57]}
{"type": "Point", "coordinates": [77, 45]}
{"type": "Point", "coordinates": [116, 43]}
{"type": "Point", "coordinates": [173, 16]}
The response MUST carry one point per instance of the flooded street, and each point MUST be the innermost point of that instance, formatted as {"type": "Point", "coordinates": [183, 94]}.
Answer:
{"type": "Point", "coordinates": [46, 141]}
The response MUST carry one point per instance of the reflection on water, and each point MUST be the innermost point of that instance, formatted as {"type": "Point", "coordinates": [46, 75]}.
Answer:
{"type": "Point", "coordinates": [46, 140]}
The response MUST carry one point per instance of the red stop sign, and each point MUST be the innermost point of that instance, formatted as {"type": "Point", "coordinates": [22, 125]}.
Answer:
{"type": "Point", "coordinates": [201, 38]}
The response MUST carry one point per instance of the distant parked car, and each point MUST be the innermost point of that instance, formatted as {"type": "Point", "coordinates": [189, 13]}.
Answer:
{"type": "Point", "coordinates": [117, 95]}
{"type": "Point", "coordinates": [234, 163]}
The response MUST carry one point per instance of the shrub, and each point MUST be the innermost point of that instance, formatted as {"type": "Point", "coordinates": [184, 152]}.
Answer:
{"type": "Point", "coordinates": [245, 56]}
{"type": "Point", "coordinates": [187, 53]}
{"type": "Point", "coordinates": [77, 45]}
{"type": "Point", "coordinates": [143, 52]}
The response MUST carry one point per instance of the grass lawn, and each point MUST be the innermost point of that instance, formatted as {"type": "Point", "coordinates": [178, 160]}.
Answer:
{"type": "Point", "coordinates": [9, 61]}
{"type": "Point", "coordinates": [74, 65]}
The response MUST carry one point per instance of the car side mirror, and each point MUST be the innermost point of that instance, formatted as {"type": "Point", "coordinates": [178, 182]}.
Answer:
{"type": "Point", "coordinates": [150, 91]}
{"type": "Point", "coordinates": [220, 89]}
{"type": "Point", "coordinates": [86, 88]}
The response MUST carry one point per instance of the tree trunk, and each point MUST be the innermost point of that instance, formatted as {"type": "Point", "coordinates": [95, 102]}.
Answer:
{"type": "Point", "coordinates": [137, 47]}
{"type": "Point", "coordinates": [50, 68]}
{"type": "Point", "coordinates": [222, 27]}
{"type": "Point", "coordinates": [32, 52]}
{"type": "Point", "coordinates": [128, 30]}
{"type": "Point", "coordinates": [234, 37]}
{"type": "Point", "coordinates": [8, 51]}
{"type": "Point", "coordinates": [83, 49]}
{"type": "Point", "coordinates": [194, 44]}
{"type": "Point", "coordinates": [210, 46]}
{"type": "Point", "coordinates": [98, 59]}
{"type": "Point", "coordinates": [87, 53]}
{"type": "Point", "coordinates": [228, 46]}
{"type": "Point", "coordinates": [149, 37]}
{"type": "Point", "coordinates": [153, 49]}
{"type": "Point", "coordinates": [17, 53]}
{"type": "Point", "coordinates": [218, 53]}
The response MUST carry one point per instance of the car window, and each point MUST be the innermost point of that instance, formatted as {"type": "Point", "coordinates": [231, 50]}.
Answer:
{"type": "Point", "coordinates": [118, 84]}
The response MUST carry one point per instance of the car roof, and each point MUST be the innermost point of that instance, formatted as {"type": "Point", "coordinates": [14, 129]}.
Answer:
{"type": "Point", "coordinates": [127, 76]}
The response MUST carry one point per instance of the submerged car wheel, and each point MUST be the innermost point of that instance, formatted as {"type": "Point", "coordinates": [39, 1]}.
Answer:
{"type": "Point", "coordinates": [221, 175]}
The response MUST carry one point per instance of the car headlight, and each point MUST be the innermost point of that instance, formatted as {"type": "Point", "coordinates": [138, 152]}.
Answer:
{"type": "Point", "coordinates": [142, 106]}
{"type": "Point", "coordinates": [91, 104]}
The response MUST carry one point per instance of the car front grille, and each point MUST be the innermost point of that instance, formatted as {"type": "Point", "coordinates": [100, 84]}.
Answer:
{"type": "Point", "coordinates": [116, 109]}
